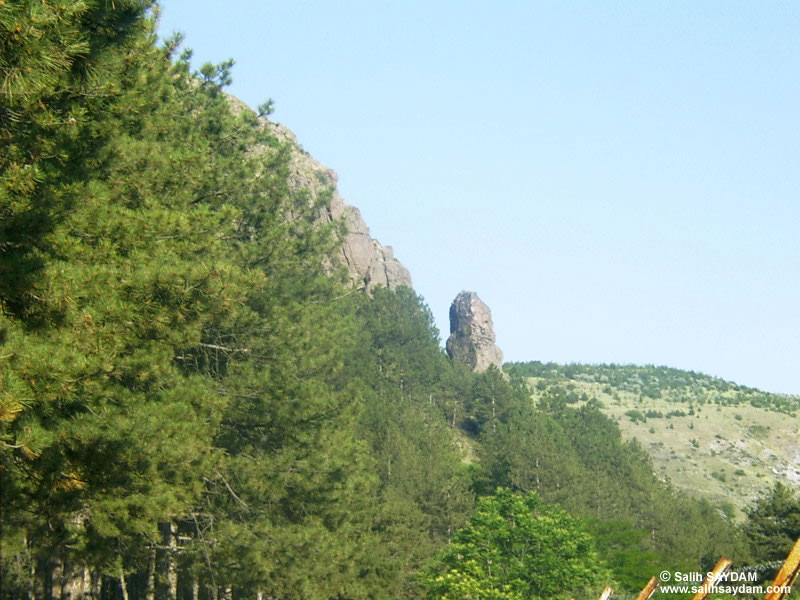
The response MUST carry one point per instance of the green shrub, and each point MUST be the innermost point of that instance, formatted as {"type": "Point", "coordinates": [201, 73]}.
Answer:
{"type": "Point", "coordinates": [635, 415]}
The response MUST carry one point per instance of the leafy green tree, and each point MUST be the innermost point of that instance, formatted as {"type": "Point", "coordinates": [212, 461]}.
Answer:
{"type": "Point", "coordinates": [469, 583]}
{"type": "Point", "coordinates": [515, 546]}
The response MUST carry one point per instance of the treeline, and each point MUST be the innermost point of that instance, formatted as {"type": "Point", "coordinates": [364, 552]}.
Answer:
{"type": "Point", "coordinates": [673, 385]}
{"type": "Point", "coordinates": [192, 406]}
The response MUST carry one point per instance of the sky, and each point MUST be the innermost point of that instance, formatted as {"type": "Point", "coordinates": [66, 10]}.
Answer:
{"type": "Point", "coordinates": [619, 181]}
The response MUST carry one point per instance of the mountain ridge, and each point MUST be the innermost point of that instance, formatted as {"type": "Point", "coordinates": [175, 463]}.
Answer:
{"type": "Point", "coordinates": [709, 437]}
{"type": "Point", "coordinates": [368, 262]}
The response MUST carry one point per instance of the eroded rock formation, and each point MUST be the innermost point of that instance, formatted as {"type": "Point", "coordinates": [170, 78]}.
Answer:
{"type": "Point", "coordinates": [368, 263]}
{"type": "Point", "coordinates": [472, 333]}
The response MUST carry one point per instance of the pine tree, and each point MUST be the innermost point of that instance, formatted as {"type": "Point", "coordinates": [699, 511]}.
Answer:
{"type": "Point", "coordinates": [157, 271]}
{"type": "Point", "coordinates": [773, 524]}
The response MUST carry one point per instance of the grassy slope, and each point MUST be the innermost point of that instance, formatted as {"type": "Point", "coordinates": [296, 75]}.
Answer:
{"type": "Point", "coordinates": [725, 453]}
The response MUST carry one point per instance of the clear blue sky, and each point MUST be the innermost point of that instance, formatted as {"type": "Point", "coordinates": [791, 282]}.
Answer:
{"type": "Point", "coordinates": [619, 181]}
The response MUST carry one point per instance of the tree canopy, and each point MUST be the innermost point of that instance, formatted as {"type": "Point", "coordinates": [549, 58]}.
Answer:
{"type": "Point", "coordinates": [515, 546]}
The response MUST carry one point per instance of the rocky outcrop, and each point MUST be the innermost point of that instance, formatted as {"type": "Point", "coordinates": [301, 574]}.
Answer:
{"type": "Point", "coordinates": [472, 333]}
{"type": "Point", "coordinates": [368, 263]}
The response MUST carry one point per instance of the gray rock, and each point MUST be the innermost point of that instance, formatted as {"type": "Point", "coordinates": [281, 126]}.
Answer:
{"type": "Point", "coordinates": [472, 333]}
{"type": "Point", "coordinates": [368, 263]}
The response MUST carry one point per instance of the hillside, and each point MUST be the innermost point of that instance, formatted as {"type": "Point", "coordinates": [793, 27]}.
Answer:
{"type": "Point", "coordinates": [712, 438]}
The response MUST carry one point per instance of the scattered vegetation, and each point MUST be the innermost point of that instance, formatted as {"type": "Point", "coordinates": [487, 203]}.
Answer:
{"type": "Point", "coordinates": [674, 385]}
{"type": "Point", "coordinates": [758, 432]}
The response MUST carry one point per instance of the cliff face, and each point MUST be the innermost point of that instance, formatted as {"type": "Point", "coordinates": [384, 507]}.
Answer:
{"type": "Point", "coordinates": [368, 262]}
{"type": "Point", "coordinates": [472, 333]}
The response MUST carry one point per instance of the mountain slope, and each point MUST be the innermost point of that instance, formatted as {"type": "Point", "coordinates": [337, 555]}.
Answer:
{"type": "Point", "coordinates": [712, 438]}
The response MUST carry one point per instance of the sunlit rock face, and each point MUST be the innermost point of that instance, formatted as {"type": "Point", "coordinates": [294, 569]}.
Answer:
{"type": "Point", "coordinates": [472, 334]}
{"type": "Point", "coordinates": [368, 262]}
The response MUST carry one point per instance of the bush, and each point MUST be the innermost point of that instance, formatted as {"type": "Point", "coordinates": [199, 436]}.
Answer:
{"type": "Point", "coordinates": [635, 415]}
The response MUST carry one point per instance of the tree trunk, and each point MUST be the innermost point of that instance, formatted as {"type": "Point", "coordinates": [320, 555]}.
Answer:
{"type": "Point", "coordinates": [75, 586]}
{"type": "Point", "coordinates": [57, 576]}
{"type": "Point", "coordinates": [149, 585]}
{"type": "Point", "coordinates": [29, 565]}
{"type": "Point", "coordinates": [86, 584]}
{"type": "Point", "coordinates": [73, 581]}
{"type": "Point", "coordinates": [166, 572]}
{"type": "Point", "coordinates": [123, 586]}
{"type": "Point", "coordinates": [97, 585]}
